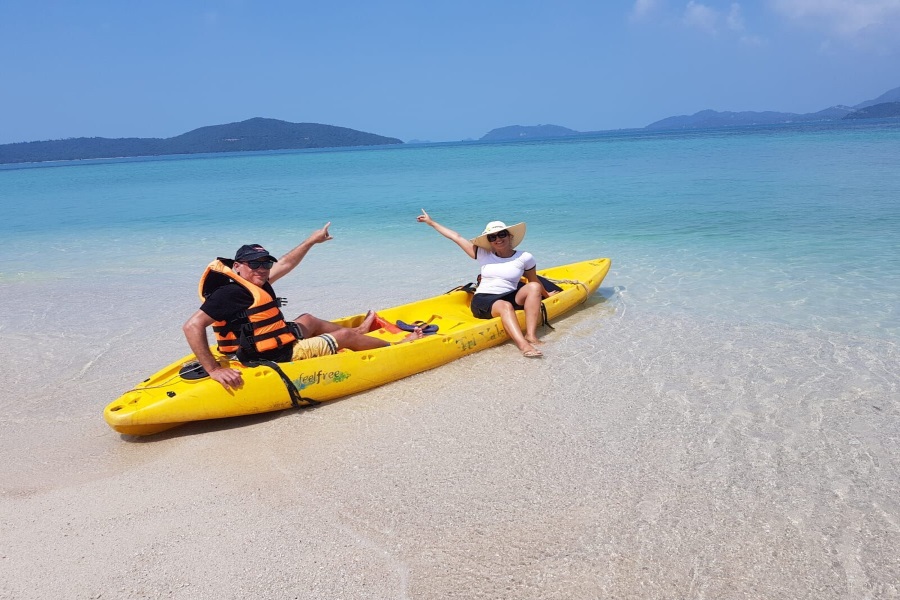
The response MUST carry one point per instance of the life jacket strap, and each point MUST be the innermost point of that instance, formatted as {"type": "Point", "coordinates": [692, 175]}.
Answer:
{"type": "Point", "coordinates": [263, 307]}
{"type": "Point", "coordinates": [268, 336]}
{"type": "Point", "coordinates": [269, 321]}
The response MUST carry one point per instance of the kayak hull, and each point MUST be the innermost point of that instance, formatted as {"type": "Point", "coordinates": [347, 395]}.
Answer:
{"type": "Point", "coordinates": [166, 399]}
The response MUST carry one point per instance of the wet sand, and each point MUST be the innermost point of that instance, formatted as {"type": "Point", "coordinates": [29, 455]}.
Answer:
{"type": "Point", "coordinates": [646, 456]}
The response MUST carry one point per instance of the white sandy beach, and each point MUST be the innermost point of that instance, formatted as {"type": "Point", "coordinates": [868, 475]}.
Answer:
{"type": "Point", "coordinates": [644, 457]}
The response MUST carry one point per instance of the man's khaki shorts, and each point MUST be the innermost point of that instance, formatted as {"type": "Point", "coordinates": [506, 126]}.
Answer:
{"type": "Point", "coordinates": [321, 345]}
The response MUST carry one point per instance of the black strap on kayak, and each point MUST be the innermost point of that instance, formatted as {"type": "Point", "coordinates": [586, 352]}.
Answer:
{"type": "Point", "coordinates": [192, 371]}
{"type": "Point", "coordinates": [468, 288]}
{"type": "Point", "coordinates": [544, 318]}
{"type": "Point", "coordinates": [293, 392]}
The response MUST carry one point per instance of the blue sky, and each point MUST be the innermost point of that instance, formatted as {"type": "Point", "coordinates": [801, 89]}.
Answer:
{"type": "Point", "coordinates": [437, 71]}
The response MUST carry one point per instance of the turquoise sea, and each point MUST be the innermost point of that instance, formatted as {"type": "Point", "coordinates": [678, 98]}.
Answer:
{"type": "Point", "coordinates": [720, 420]}
{"type": "Point", "coordinates": [795, 226]}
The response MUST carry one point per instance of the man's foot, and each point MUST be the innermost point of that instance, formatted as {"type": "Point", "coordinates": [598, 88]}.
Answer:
{"type": "Point", "coordinates": [366, 325]}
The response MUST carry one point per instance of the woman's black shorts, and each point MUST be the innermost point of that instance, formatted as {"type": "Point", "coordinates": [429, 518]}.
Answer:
{"type": "Point", "coordinates": [482, 303]}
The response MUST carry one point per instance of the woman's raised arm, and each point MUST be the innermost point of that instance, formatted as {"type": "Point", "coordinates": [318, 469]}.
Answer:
{"type": "Point", "coordinates": [467, 246]}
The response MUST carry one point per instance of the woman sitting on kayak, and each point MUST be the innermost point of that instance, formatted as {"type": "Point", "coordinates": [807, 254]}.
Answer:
{"type": "Point", "coordinates": [500, 291]}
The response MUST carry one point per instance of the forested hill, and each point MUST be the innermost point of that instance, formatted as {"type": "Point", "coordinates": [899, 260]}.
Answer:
{"type": "Point", "coordinates": [252, 134]}
{"type": "Point", "coordinates": [520, 132]}
{"type": "Point", "coordinates": [884, 110]}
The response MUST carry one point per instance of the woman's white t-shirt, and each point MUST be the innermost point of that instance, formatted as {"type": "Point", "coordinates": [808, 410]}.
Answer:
{"type": "Point", "coordinates": [501, 275]}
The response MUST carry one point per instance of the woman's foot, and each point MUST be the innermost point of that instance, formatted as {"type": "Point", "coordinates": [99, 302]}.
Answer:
{"type": "Point", "coordinates": [533, 353]}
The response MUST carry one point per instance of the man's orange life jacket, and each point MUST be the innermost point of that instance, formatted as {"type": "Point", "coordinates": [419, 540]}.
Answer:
{"type": "Point", "coordinates": [267, 329]}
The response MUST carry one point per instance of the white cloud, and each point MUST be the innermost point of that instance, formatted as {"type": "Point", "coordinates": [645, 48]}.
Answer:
{"type": "Point", "coordinates": [735, 20]}
{"type": "Point", "coordinates": [846, 18]}
{"type": "Point", "coordinates": [701, 17]}
{"type": "Point", "coordinates": [644, 8]}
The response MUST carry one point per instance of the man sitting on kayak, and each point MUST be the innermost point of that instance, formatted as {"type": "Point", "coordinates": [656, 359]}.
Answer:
{"type": "Point", "coordinates": [241, 305]}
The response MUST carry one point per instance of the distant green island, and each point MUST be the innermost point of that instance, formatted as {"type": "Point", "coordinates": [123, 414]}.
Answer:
{"type": "Point", "coordinates": [885, 110]}
{"type": "Point", "coordinates": [259, 134]}
{"type": "Point", "coordinates": [519, 132]}
{"type": "Point", "coordinates": [883, 107]}
{"type": "Point", "coordinates": [250, 135]}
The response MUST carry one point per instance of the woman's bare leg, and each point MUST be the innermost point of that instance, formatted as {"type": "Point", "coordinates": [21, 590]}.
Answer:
{"type": "Point", "coordinates": [530, 297]}
{"type": "Point", "coordinates": [507, 314]}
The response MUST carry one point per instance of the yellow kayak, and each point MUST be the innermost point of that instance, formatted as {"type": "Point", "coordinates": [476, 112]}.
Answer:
{"type": "Point", "coordinates": [181, 392]}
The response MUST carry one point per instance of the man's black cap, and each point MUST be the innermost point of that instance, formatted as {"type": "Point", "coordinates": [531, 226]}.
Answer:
{"type": "Point", "coordinates": [252, 252]}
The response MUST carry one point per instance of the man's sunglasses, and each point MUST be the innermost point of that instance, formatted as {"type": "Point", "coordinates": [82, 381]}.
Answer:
{"type": "Point", "coordinates": [497, 236]}
{"type": "Point", "coordinates": [260, 264]}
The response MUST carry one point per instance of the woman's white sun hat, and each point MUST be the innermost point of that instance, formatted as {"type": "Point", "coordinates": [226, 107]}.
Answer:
{"type": "Point", "coordinates": [517, 232]}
